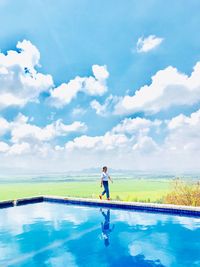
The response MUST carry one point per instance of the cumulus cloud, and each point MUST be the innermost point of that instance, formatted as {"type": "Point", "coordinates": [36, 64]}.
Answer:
{"type": "Point", "coordinates": [25, 131]}
{"type": "Point", "coordinates": [131, 144]}
{"type": "Point", "coordinates": [20, 82]}
{"type": "Point", "coordinates": [4, 126]}
{"type": "Point", "coordinates": [78, 111]}
{"type": "Point", "coordinates": [93, 86]}
{"type": "Point", "coordinates": [4, 147]}
{"type": "Point", "coordinates": [135, 125]}
{"type": "Point", "coordinates": [138, 130]}
{"type": "Point", "coordinates": [128, 136]}
{"type": "Point", "coordinates": [96, 85]}
{"type": "Point", "coordinates": [22, 131]}
{"type": "Point", "coordinates": [31, 145]}
{"type": "Point", "coordinates": [106, 108]}
{"type": "Point", "coordinates": [18, 149]}
{"type": "Point", "coordinates": [63, 94]}
{"type": "Point", "coordinates": [169, 87]}
{"type": "Point", "coordinates": [15, 149]}
{"type": "Point", "coordinates": [184, 133]}
{"type": "Point", "coordinates": [134, 143]}
{"type": "Point", "coordinates": [106, 142]}
{"type": "Point", "coordinates": [147, 44]}
{"type": "Point", "coordinates": [145, 144]}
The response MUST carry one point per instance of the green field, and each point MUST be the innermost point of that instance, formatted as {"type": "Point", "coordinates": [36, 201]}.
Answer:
{"type": "Point", "coordinates": [127, 190]}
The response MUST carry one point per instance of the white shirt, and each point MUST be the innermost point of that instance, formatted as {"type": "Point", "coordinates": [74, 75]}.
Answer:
{"type": "Point", "coordinates": [104, 176]}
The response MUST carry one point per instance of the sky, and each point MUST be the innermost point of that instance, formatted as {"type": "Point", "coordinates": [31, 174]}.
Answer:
{"type": "Point", "coordinates": [91, 83]}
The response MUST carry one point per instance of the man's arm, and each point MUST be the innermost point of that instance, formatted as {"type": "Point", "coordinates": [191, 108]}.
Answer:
{"type": "Point", "coordinates": [103, 213]}
{"type": "Point", "coordinates": [110, 179]}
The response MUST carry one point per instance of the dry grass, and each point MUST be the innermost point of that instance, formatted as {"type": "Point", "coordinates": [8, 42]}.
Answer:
{"type": "Point", "coordinates": [184, 194]}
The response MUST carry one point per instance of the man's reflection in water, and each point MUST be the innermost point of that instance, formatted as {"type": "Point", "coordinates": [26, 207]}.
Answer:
{"type": "Point", "coordinates": [106, 230]}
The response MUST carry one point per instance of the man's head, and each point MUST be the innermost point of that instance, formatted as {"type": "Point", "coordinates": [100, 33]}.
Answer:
{"type": "Point", "coordinates": [105, 169]}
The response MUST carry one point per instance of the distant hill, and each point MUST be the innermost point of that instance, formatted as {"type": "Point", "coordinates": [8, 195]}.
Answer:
{"type": "Point", "coordinates": [21, 175]}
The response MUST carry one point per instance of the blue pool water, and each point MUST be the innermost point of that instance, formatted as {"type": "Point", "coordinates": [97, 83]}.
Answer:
{"type": "Point", "coordinates": [57, 235]}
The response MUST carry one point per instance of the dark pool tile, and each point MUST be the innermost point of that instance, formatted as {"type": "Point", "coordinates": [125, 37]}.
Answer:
{"type": "Point", "coordinates": [26, 201]}
{"type": "Point", "coordinates": [6, 204]}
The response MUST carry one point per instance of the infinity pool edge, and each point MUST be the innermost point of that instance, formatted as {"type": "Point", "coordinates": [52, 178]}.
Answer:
{"type": "Point", "coordinates": [137, 206]}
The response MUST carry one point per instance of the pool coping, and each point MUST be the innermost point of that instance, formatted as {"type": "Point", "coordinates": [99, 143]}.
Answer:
{"type": "Point", "coordinates": [136, 206]}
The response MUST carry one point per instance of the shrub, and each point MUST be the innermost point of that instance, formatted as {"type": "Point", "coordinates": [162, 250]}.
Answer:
{"type": "Point", "coordinates": [128, 198]}
{"type": "Point", "coordinates": [135, 199]}
{"type": "Point", "coordinates": [184, 193]}
{"type": "Point", "coordinates": [117, 198]}
{"type": "Point", "coordinates": [160, 200]}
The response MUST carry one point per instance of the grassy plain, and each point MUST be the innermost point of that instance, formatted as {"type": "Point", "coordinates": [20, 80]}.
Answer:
{"type": "Point", "coordinates": [127, 190]}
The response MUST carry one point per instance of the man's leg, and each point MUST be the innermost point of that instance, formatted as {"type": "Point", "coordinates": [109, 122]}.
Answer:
{"type": "Point", "coordinates": [103, 192]}
{"type": "Point", "coordinates": [107, 191]}
{"type": "Point", "coordinates": [104, 185]}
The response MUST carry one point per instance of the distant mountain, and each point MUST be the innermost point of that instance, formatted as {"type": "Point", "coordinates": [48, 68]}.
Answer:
{"type": "Point", "coordinates": [98, 170]}
{"type": "Point", "coordinates": [27, 174]}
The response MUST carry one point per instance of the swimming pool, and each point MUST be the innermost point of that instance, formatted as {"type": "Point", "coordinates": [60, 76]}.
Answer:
{"type": "Point", "coordinates": [53, 234]}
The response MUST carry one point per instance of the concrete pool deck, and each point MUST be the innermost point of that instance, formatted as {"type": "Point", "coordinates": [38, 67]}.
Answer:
{"type": "Point", "coordinates": [135, 206]}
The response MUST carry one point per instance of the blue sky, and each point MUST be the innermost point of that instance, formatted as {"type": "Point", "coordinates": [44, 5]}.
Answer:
{"type": "Point", "coordinates": [115, 48]}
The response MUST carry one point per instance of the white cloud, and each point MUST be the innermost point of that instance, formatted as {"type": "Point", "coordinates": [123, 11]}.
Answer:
{"type": "Point", "coordinates": [84, 142]}
{"type": "Point", "coordinates": [97, 85]}
{"type": "Point", "coordinates": [184, 133]}
{"type": "Point", "coordinates": [140, 221]}
{"type": "Point", "coordinates": [30, 143]}
{"type": "Point", "coordinates": [135, 125]}
{"type": "Point", "coordinates": [130, 134]}
{"type": "Point", "coordinates": [4, 147]}
{"type": "Point", "coordinates": [100, 109]}
{"type": "Point", "coordinates": [78, 111]}
{"type": "Point", "coordinates": [138, 129]}
{"type": "Point", "coordinates": [94, 86]}
{"type": "Point", "coordinates": [21, 83]}
{"type": "Point", "coordinates": [15, 149]}
{"type": "Point", "coordinates": [151, 247]}
{"type": "Point", "coordinates": [100, 72]}
{"type": "Point", "coordinates": [147, 44]}
{"type": "Point", "coordinates": [4, 126]}
{"type": "Point", "coordinates": [186, 222]}
{"type": "Point", "coordinates": [182, 121]}
{"type": "Point", "coordinates": [145, 144]}
{"type": "Point", "coordinates": [22, 131]}
{"type": "Point", "coordinates": [106, 108]}
{"type": "Point", "coordinates": [19, 80]}
{"type": "Point", "coordinates": [63, 94]}
{"type": "Point", "coordinates": [131, 144]}
{"type": "Point", "coordinates": [126, 140]}
{"type": "Point", "coordinates": [18, 149]}
{"type": "Point", "coordinates": [106, 142]}
{"type": "Point", "coordinates": [168, 88]}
